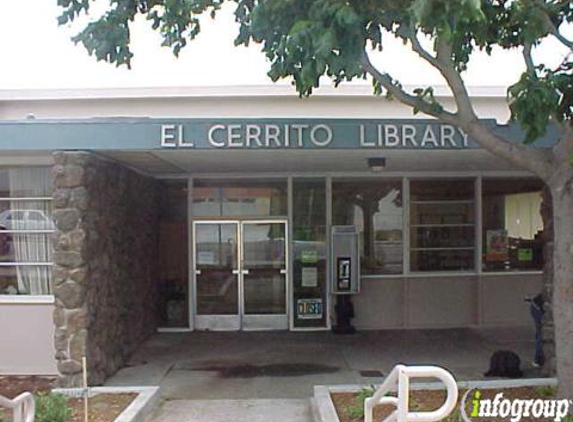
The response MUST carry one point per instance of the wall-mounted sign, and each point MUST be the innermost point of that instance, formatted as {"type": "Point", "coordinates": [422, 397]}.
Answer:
{"type": "Point", "coordinates": [313, 135]}
{"type": "Point", "coordinates": [309, 308]}
{"type": "Point", "coordinates": [309, 256]}
{"type": "Point", "coordinates": [237, 133]}
{"type": "Point", "coordinates": [309, 277]}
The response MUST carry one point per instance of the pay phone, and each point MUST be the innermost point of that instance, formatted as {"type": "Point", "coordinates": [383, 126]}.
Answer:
{"type": "Point", "coordinates": [345, 259]}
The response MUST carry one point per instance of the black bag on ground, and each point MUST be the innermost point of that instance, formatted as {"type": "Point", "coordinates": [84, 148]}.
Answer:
{"type": "Point", "coordinates": [504, 363]}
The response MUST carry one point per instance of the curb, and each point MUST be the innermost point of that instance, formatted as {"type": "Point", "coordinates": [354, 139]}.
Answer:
{"type": "Point", "coordinates": [139, 409]}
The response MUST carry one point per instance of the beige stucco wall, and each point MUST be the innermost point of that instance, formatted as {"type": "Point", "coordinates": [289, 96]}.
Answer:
{"type": "Point", "coordinates": [445, 301]}
{"type": "Point", "coordinates": [240, 103]}
{"type": "Point", "coordinates": [503, 298]}
{"type": "Point", "coordinates": [27, 339]}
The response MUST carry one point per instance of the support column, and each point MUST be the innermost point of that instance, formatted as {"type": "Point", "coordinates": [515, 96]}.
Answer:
{"type": "Point", "coordinates": [69, 271]}
{"type": "Point", "coordinates": [105, 263]}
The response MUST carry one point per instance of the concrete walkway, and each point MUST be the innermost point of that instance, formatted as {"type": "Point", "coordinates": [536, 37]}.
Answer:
{"type": "Point", "coordinates": [286, 365]}
{"type": "Point", "coordinates": [261, 410]}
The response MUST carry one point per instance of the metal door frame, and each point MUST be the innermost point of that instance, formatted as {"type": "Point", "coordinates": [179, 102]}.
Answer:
{"type": "Point", "coordinates": [269, 321]}
{"type": "Point", "coordinates": [216, 322]}
{"type": "Point", "coordinates": [240, 321]}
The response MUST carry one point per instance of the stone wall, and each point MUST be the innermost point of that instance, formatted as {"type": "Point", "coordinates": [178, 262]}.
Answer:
{"type": "Point", "coordinates": [105, 263]}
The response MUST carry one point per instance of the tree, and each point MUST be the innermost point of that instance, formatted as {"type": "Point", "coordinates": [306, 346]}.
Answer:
{"type": "Point", "coordinates": [309, 39]}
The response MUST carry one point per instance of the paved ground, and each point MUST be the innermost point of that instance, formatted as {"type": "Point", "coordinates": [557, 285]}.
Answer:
{"type": "Point", "coordinates": [286, 365]}
{"type": "Point", "coordinates": [261, 410]}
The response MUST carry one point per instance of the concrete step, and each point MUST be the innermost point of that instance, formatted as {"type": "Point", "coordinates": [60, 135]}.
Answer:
{"type": "Point", "coordinates": [248, 410]}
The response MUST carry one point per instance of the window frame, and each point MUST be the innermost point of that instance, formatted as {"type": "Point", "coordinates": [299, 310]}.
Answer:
{"type": "Point", "coordinates": [28, 298]}
{"type": "Point", "coordinates": [399, 181]}
{"type": "Point", "coordinates": [408, 216]}
{"type": "Point", "coordinates": [481, 234]}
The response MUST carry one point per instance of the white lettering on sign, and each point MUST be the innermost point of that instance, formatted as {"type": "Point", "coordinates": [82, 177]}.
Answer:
{"type": "Point", "coordinates": [272, 133]}
{"type": "Point", "coordinates": [327, 135]}
{"type": "Point", "coordinates": [168, 136]}
{"type": "Point", "coordinates": [297, 135]}
{"type": "Point", "coordinates": [447, 133]}
{"type": "Point", "coordinates": [299, 130]}
{"type": "Point", "coordinates": [211, 136]}
{"type": "Point", "coordinates": [364, 143]}
{"type": "Point", "coordinates": [391, 136]}
{"type": "Point", "coordinates": [172, 136]}
{"type": "Point", "coordinates": [409, 135]}
{"type": "Point", "coordinates": [429, 137]}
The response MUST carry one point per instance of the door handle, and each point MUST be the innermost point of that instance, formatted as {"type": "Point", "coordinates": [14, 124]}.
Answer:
{"type": "Point", "coordinates": [283, 271]}
{"type": "Point", "coordinates": [235, 272]}
{"type": "Point", "coordinates": [245, 272]}
{"type": "Point", "coordinates": [197, 272]}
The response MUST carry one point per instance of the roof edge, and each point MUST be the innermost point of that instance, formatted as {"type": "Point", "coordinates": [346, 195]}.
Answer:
{"type": "Point", "coordinates": [275, 90]}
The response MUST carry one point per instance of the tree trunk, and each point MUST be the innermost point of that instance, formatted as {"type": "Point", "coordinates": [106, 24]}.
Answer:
{"type": "Point", "coordinates": [561, 186]}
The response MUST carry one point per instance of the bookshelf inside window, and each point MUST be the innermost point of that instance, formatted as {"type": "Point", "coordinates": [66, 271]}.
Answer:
{"type": "Point", "coordinates": [442, 226]}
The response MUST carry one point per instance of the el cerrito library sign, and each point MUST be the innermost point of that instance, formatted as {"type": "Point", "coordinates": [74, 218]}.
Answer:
{"type": "Point", "coordinates": [144, 133]}
{"type": "Point", "coordinates": [313, 135]}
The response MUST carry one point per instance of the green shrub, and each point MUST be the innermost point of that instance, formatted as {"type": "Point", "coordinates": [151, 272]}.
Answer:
{"type": "Point", "coordinates": [546, 390]}
{"type": "Point", "coordinates": [356, 411]}
{"type": "Point", "coordinates": [52, 408]}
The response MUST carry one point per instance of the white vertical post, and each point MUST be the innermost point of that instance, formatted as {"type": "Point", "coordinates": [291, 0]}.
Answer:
{"type": "Point", "coordinates": [290, 307]}
{"type": "Point", "coordinates": [403, 395]}
{"type": "Point", "coordinates": [191, 291]}
{"type": "Point", "coordinates": [85, 382]}
{"type": "Point", "coordinates": [479, 246]}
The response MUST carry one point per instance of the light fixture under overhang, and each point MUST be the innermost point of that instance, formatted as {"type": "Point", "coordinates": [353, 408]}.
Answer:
{"type": "Point", "coordinates": [377, 163]}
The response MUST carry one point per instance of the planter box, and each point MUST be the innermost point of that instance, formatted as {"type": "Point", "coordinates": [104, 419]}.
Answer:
{"type": "Point", "coordinates": [324, 410]}
{"type": "Point", "coordinates": [140, 408]}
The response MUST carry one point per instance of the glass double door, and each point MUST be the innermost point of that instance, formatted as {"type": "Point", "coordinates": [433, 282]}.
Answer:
{"type": "Point", "coordinates": [241, 275]}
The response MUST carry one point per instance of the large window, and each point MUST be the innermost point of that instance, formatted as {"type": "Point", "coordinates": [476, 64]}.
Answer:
{"type": "Point", "coordinates": [442, 225]}
{"type": "Point", "coordinates": [375, 207]}
{"type": "Point", "coordinates": [512, 225]}
{"type": "Point", "coordinates": [26, 226]}
{"type": "Point", "coordinates": [239, 198]}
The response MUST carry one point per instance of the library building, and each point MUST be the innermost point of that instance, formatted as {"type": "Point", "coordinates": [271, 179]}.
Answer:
{"type": "Point", "coordinates": [128, 212]}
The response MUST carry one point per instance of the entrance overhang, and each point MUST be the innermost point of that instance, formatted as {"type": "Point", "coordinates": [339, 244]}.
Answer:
{"type": "Point", "coordinates": [221, 162]}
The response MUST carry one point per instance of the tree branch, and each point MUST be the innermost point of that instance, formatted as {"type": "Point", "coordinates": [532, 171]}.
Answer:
{"type": "Point", "coordinates": [563, 151]}
{"type": "Point", "coordinates": [454, 80]}
{"type": "Point", "coordinates": [417, 47]}
{"type": "Point", "coordinates": [388, 83]}
{"type": "Point", "coordinates": [443, 63]}
{"type": "Point", "coordinates": [551, 28]}
{"type": "Point", "coordinates": [567, 43]}
{"type": "Point", "coordinates": [537, 161]}
{"type": "Point", "coordinates": [530, 66]}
